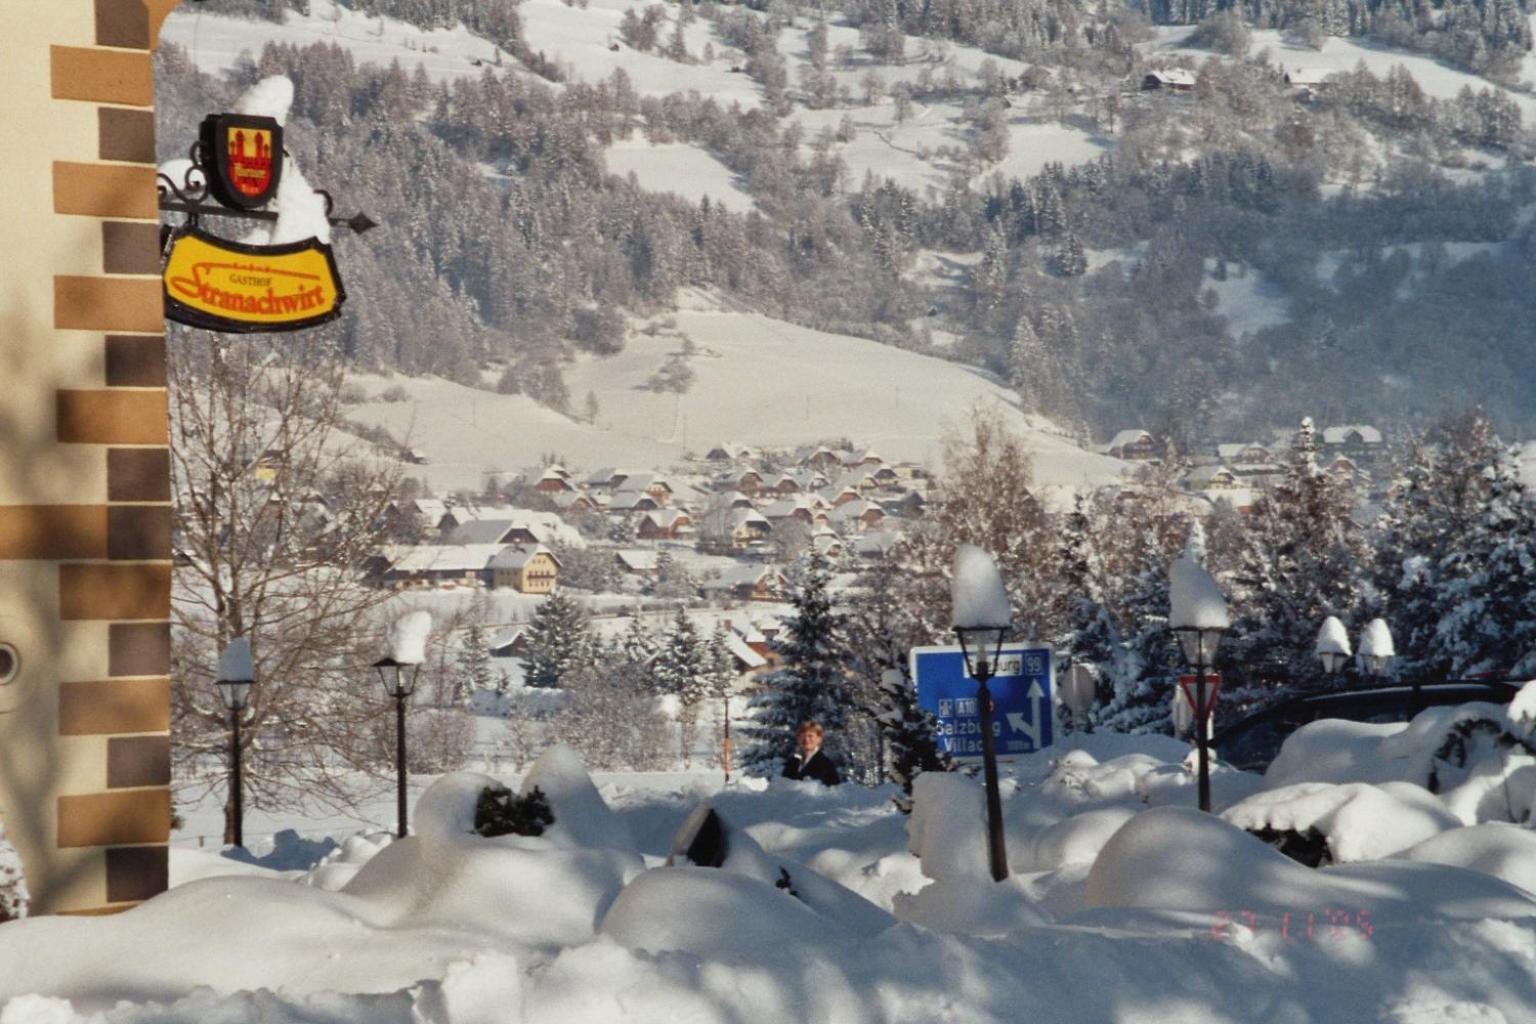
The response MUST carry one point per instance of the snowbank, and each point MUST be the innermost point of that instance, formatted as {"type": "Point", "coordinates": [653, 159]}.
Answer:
{"type": "Point", "coordinates": [1359, 821]}
{"type": "Point", "coordinates": [1499, 849]}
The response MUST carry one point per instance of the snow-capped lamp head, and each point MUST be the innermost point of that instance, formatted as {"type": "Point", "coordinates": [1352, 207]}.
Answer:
{"type": "Point", "coordinates": [1333, 645]}
{"type": "Point", "coordinates": [1197, 610]}
{"type": "Point", "coordinates": [237, 673]}
{"type": "Point", "coordinates": [981, 613]}
{"type": "Point", "coordinates": [407, 650]}
{"type": "Point", "coordinates": [1376, 648]}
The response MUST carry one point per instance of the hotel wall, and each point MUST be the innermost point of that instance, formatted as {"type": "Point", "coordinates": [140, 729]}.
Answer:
{"type": "Point", "coordinates": [85, 517]}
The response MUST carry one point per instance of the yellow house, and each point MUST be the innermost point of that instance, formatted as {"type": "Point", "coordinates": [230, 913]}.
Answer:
{"type": "Point", "coordinates": [529, 569]}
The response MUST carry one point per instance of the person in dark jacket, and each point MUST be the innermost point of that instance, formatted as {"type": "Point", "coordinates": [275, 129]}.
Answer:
{"type": "Point", "coordinates": [808, 761]}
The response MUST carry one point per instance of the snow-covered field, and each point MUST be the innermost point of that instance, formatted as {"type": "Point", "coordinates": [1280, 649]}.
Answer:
{"type": "Point", "coordinates": [1125, 905]}
{"type": "Point", "coordinates": [679, 168]}
{"type": "Point", "coordinates": [899, 403]}
{"type": "Point", "coordinates": [215, 42]}
{"type": "Point", "coordinates": [1341, 53]}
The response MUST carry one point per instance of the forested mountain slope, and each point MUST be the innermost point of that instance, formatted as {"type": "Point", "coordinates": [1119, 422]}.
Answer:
{"type": "Point", "coordinates": [987, 184]}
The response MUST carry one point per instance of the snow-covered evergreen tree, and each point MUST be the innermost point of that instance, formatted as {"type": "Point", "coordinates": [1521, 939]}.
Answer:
{"type": "Point", "coordinates": [1089, 633]}
{"type": "Point", "coordinates": [474, 665]}
{"type": "Point", "coordinates": [559, 641]}
{"type": "Point", "coordinates": [1303, 558]}
{"type": "Point", "coordinates": [810, 685]}
{"type": "Point", "coordinates": [681, 668]}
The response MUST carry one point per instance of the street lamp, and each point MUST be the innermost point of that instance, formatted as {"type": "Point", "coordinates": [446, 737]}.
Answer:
{"type": "Point", "coordinates": [1332, 645]}
{"type": "Point", "coordinates": [236, 676]}
{"type": "Point", "coordinates": [397, 672]}
{"type": "Point", "coordinates": [1377, 652]}
{"type": "Point", "coordinates": [982, 617]}
{"type": "Point", "coordinates": [1198, 617]}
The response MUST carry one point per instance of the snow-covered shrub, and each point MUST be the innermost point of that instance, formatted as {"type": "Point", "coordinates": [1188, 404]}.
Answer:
{"type": "Point", "coordinates": [1318, 823]}
{"type": "Point", "coordinates": [499, 813]}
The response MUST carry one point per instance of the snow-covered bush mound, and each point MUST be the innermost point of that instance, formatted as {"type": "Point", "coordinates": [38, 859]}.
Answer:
{"type": "Point", "coordinates": [1078, 839]}
{"type": "Point", "coordinates": [966, 906]}
{"type": "Point", "coordinates": [719, 914]}
{"type": "Point", "coordinates": [1175, 858]}
{"type": "Point", "coordinates": [1501, 787]}
{"type": "Point", "coordinates": [1498, 849]}
{"type": "Point", "coordinates": [1183, 859]}
{"type": "Point", "coordinates": [531, 889]}
{"type": "Point", "coordinates": [1435, 750]}
{"type": "Point", "coordinates": [1357, 821]}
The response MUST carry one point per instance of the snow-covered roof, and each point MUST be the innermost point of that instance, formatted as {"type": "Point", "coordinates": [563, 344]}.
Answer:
{"type": "Point", "coordinates": [665, 517]}
{"type": "Point", "coordinates": [637, 559]}
{"type": "Point", "coordinates": [1126, 437]}
{"type": "Point", "coordinates": [1173, 76]}
{"type": "Point", "coordinates": [443, 557]}
{"type": "Point", "coordinates": [517, 556]}
{"type": "Point", "coordinates": [1351, 433]}
{"type": "Point", "coordinates": [744, 516]}
{"type": "Point", "coordinates": [1308, 76]}
{"type": "Point", "coordinates": [742, 652]}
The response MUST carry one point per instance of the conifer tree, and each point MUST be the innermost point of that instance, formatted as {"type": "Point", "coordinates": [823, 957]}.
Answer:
{"type": "Point", "coordinates": [681, 668]}
{"type": "Point", "coordinates": [811, 684]}
{"type": "Point", "coordinates": [559, 641]}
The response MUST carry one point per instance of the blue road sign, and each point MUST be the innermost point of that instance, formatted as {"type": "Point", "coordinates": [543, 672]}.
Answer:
{"type": "Point", "coordinates": [1021, 699]}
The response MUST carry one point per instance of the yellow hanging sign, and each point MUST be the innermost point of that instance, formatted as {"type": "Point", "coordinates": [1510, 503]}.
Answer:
{"type": "Point", "coordinates": [220, 285]}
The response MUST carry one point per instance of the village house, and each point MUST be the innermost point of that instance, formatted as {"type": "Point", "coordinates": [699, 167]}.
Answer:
{"type": "Point", "coordinates": [748, 583]}
{"type": "Point", "coordinates": [1308, 83]}
{"type": "Point", "coordinates": [823, 459]}
{"type": "Point", "coordinates": [665, 524]}
{"type": "Point", "coordinates": [641, 562]}
{"type": "Point", "coordinates": [749, 527]}
{"type": "Point", "coordinates": [1359, 442]}
{"type": "Point", "coordinates": [532, 569]}
{"type": "Point", "coordinates": [432, 565]}
{"type": "Point", "coordinates": [513, 526]}
{"type": "Point", "coordinates": [1169, 79]}
{"type": "Point", "coordinates": [1134, 446]}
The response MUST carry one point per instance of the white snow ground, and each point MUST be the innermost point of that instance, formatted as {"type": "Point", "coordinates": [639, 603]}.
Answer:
{"type": "Point", "coordinates": [1126, 906]}
{"type": "Point", "coordinates": [899, 403]}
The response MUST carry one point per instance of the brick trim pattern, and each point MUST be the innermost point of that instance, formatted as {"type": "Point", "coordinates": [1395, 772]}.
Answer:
{"type": "Point", "coordinates": [113, 557]}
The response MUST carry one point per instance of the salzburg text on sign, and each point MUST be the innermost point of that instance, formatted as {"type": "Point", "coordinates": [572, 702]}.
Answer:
{"type": "Point", "coordinates": [219, 285]}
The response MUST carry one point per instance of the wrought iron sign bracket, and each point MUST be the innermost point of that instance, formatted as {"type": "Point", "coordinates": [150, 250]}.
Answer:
{"type": "Point", "coordinates": [189, 198]}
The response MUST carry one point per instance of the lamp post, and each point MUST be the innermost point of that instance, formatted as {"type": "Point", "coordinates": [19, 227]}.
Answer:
{"type": "Point", "coordinates": [1198, 617]}
{"type": "Point", "coordinates": [1377, 652]}
{"type": "Point", "coordinates": [982, 618]}
{"type": "Point", "coordinates": [1332, 645]}
{"type": "Point", "coordinates": [236, 676]}
{"type": "Point", "coordinates": [397, 672]}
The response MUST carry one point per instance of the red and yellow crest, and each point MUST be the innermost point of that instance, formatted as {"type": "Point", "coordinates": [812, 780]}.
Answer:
{"type": "Point", "coordinates": [242, 157]}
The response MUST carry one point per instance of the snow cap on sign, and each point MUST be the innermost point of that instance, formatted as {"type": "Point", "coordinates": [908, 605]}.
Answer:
{"type": "Point", "coordinates": [1195, 601]}
{"type": "Point", "coordinates": [976, 590]}
{"type": "Point", "coordinates": [1376, 641]}
{"type": "Point", "coordinates": [1333, 639]}
{"type": "Point", "coordinates": [271, 97]}
{"type": "Point", "coordinates": [408, 637]}
{"type": "Point", "coordinates": [235, 664]}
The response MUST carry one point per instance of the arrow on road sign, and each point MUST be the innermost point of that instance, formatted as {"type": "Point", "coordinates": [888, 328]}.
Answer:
{"type": "Point", "coordinates": [1016, 718]}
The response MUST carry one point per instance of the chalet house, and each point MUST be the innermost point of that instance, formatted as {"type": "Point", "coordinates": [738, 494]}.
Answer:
{"type": "Point", "coordinates": [436, 565]}
{"type": "Point", "coordinates": [868, 460]}
{"type": "Point", "coordinates": [744, 657]}
{"type": "Point", "coordinates": [1358, 442]}
{"type": "Point", "coordinates": [1134, 445]}
{"type": "Point", "coordinates": [1240, 454]}
{"type": "Point", "coordinates": [824, 459]}
{"type": "Point", "coordinates": [1308, 83]}
{"type": "Point", "coordinates": [748, 481]}
{"type": "Point", "coordinates": [531, 569]}
{"type": "Point", "coordinates": [269, 465]}
{"type": "Point", "coordinates": [1169, 79]}
{"type": "Point", "coordinates": [640, 562]}
{"type": "Point", "coordinates": [886, 478]}
{"type": "Point", "coordinates": [511, 644]}
{"type": "Point", "coordinates": [576, 502]}
{"type": "Point", "coordinates": [730, 453]}
{"type": "Point", "coordinates": [781, 511]}
{"type": "Point", "coordinates": [632, 501]}
{"type": "Point", "coordinates": [875, 543]}
{"type": "Point", "coordinates": [860, 479]}
{"type": "Point", "coordinates": [1211, 478]}
{"type": "Point", "coordinates": [749, 526]}
{"type": "Point", "coordinates": [749, 583]}
{"type": "Point", "coordinates": [842, 495]}
{"type": "Point", "coordinates": [665, 524]}
{"type": "Point", "coordinates": [909, 505]}
{"type": "Point", "coordinates": [554, 480]}
{"type": "Point", "coordinates": [511, 526]}
{"type": "Point", "coordinates": [733, 499]}
{"type": "Point", "coordinates": [865, 515]}
{"type": "Point", "coordinates": [786, 484]}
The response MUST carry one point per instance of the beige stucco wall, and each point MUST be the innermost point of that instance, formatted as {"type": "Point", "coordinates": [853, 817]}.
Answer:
{"type": "Point", "coordinates": [54, 487]}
